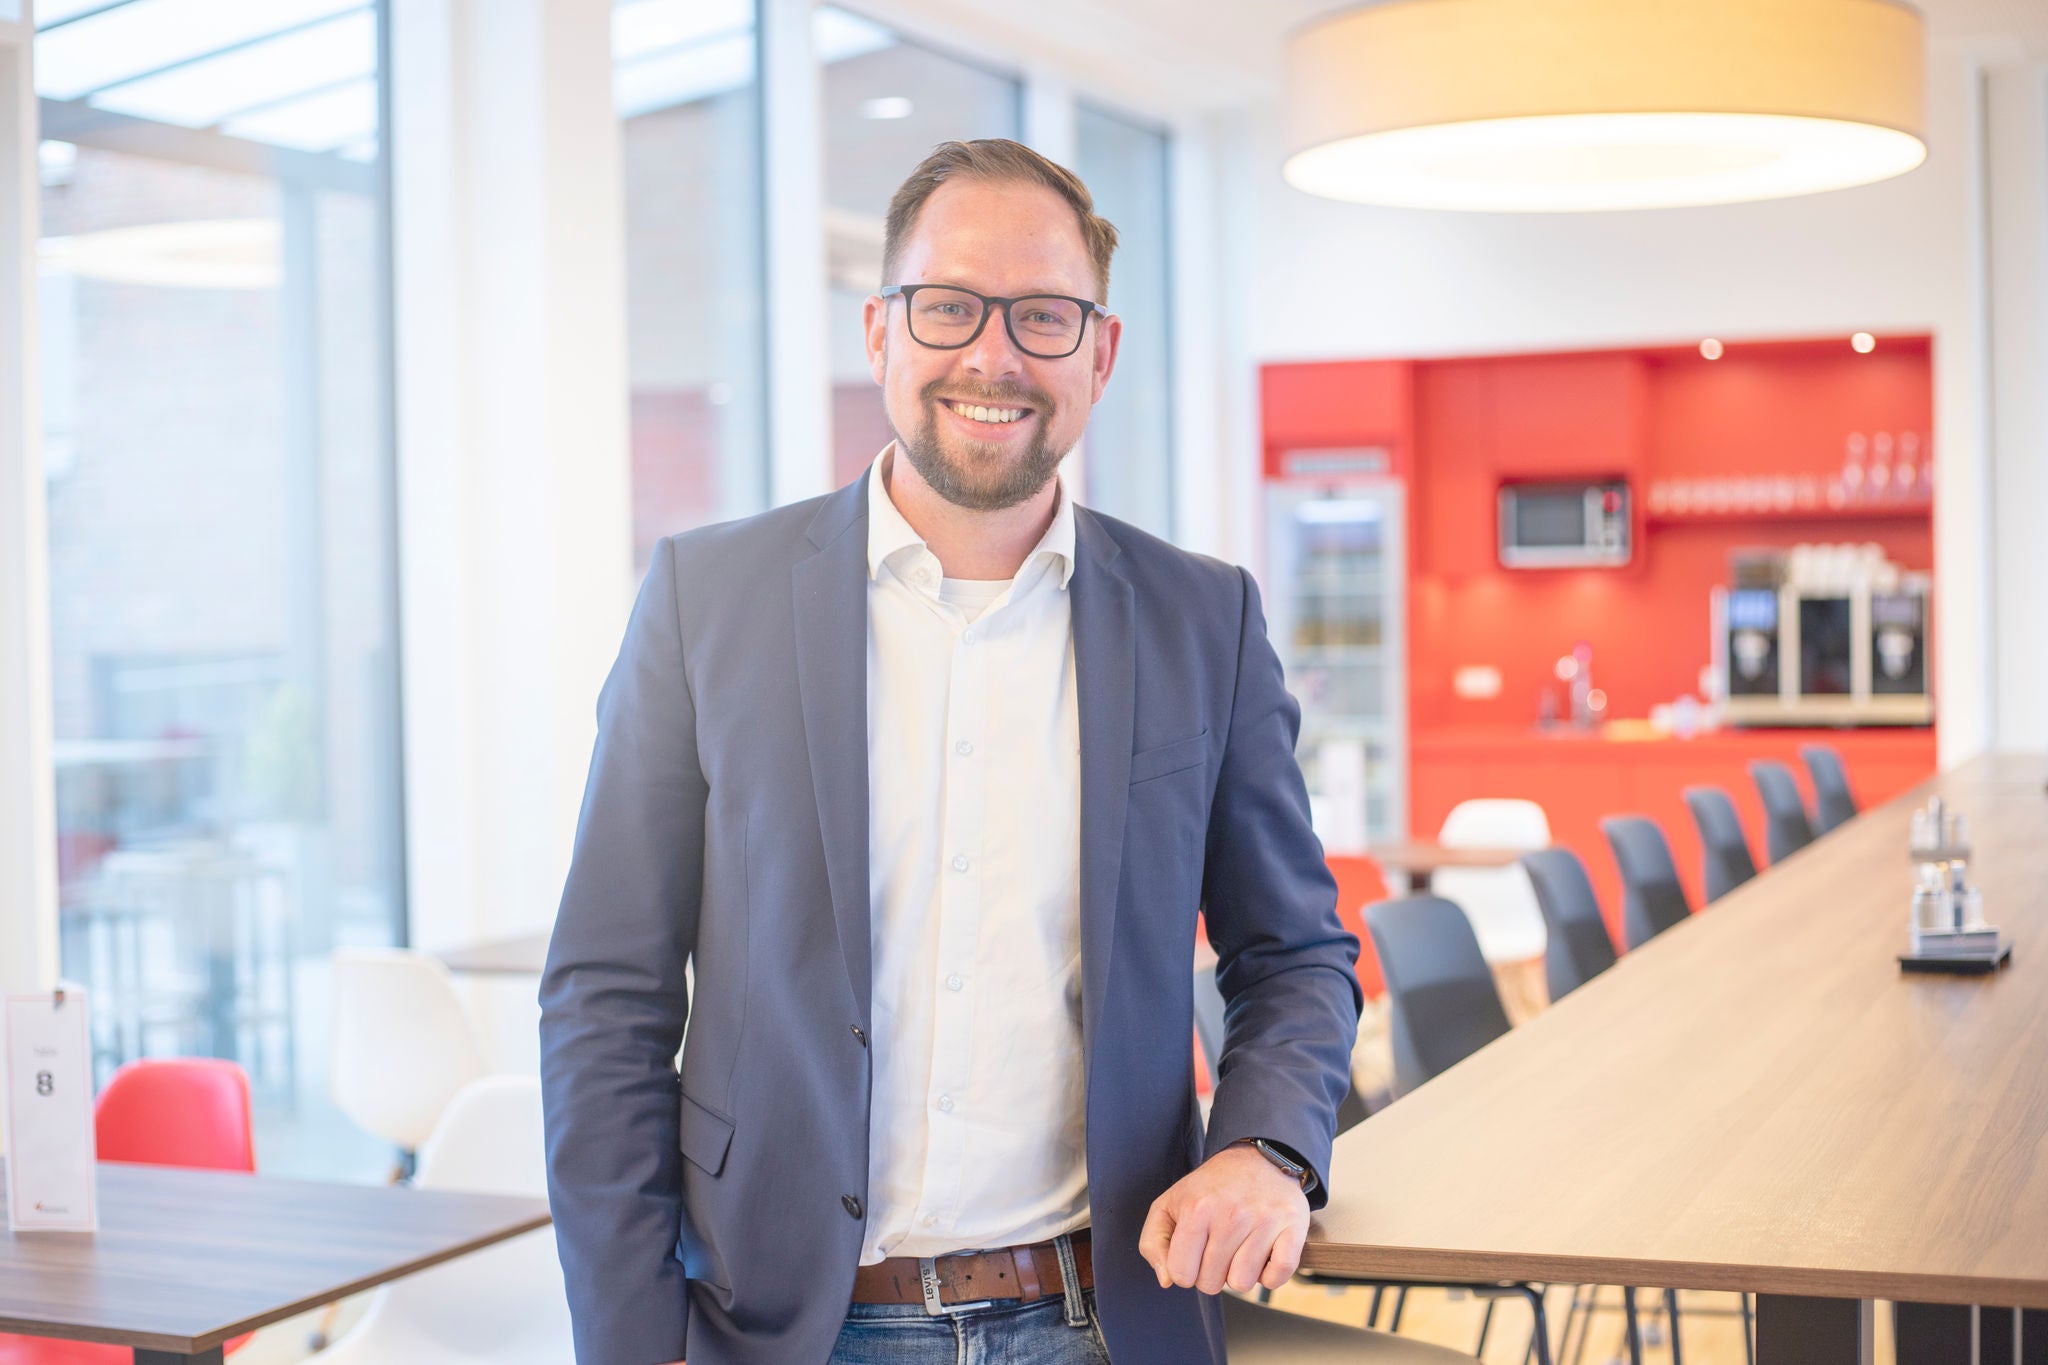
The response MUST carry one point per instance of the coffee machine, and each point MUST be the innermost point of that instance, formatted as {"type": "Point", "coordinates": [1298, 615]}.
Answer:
{"type": "Point", "coordinates": [1823, 635]}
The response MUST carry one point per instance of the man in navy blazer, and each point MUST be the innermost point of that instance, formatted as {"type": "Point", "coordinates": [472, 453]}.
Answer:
{"type": "Point", "coordinates": [732, 823]}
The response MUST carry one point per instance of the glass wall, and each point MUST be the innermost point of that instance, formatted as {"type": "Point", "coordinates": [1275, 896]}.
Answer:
{"type": "Point", "coordinates": [685, 85]}
{"type": "Point", "coordinates": [1130, 437]}
{"type": "Point", "coordinates": [887, 103]}
{"type": "Point", "coordinates": [214, 296]}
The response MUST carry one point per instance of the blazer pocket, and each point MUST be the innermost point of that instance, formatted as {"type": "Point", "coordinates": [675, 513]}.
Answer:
{"type": "Point", "coordinates": [705, 1136]}
{"type": "Point", "coordinates": [1170, 758]}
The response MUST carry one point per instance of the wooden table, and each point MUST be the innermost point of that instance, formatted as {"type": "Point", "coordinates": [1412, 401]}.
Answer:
{"type": "Point", "coordinates": [186, 1259]}
{"type": "Point", "coordinates": [523, 955]}
{"type": "Point", "coordinates": [1758, 1099]}
{"type": "Point", "coordinates": [1420, 859]}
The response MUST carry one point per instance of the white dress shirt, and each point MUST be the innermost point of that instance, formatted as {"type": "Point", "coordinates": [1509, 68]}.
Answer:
{"type": "Point", "coordinates": [979, 1112]}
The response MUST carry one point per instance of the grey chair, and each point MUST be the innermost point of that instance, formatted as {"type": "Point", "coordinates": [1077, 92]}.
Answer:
{"type": "Point", "coordinates": [1833, 804]}
{"type": "Point", "coordinates": [1445, 1004]}
{"type": "Point", "coordinates": [1729, 864]}
{"type": "Point", "coordinates": [1786, 827]}
{"type": "Point", "coordinates": [1259, 1334]}
{"type": "Point", "coordinates": [1653, 901]}
{"type": "Point", "coordinates": [1579, 948]}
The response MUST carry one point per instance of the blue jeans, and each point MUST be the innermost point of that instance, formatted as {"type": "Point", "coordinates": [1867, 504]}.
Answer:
{"type": "Point", "coordinates": [1008, 1333]}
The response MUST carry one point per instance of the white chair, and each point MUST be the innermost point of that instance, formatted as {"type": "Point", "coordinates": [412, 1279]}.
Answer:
{"type": "Point", "coordinates": [1499, 901]}
{"type": "Point", "coordinates": [504, 1305]}
{"type": "Point", "coordinates": [403, 1044]}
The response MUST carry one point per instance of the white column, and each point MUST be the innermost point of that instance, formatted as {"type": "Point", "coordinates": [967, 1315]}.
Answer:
{"type": "Point", "coordinates": [2017, 257]}
{"type": "Point", "coordinates": [513, 468]}
{"type": "Point", "coordinates": [1991, 406]}
{"type": "Point", "coordinates": [799, 380]}
{"type": "Point", "coordinates": [28, 821]}
{"type": "Point", "coordinates": [1202, 391]}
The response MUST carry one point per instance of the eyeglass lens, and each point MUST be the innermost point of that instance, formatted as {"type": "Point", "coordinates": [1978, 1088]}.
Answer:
{"type": "Point", "coordinates": [1043, 325]}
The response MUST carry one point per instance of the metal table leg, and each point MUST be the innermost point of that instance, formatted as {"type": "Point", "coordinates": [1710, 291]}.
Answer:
{"type": "Point", "coordinates": [1803, 1331]}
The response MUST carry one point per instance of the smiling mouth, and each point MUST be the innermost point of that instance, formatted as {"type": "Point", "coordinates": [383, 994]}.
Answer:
{"type": "Point", "coordinates": [987, 413]}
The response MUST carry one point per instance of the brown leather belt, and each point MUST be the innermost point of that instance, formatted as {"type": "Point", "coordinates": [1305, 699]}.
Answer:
{"type": "Point", "coordinates": [1028, 1273]}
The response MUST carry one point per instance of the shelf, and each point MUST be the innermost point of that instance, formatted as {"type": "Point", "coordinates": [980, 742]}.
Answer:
{"type": "Point", "coordinates": [1903, 510]}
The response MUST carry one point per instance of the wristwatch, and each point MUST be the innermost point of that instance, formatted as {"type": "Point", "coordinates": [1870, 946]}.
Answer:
{"type": "Point", "coordinates": [1297, 1172]}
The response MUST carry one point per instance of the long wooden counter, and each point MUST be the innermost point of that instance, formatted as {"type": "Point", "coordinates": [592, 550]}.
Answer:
{"type": "Point", "coordinates": [1756, 1100]}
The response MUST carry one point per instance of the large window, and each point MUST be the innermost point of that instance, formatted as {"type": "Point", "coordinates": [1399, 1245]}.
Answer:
{"type": "Point", "coordinates": [685, 85]}
{"type": "Point", "coordinates": [216, 407]}
{"type": "Point", "coordinates": [887, 103]}
{"type": "Point", "coordinates": [1130, 437]}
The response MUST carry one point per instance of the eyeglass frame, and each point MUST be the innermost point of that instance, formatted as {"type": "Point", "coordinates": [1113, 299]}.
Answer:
{"type": "Point", "coordinates": [989, 302]}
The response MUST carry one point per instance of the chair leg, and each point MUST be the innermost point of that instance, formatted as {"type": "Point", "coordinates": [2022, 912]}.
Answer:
{"type": "Point", "coordinates": [1400, 1302]}
{"type": "Point", "coordinates": [1748, 1336]}
{"type": "Point", "coordinates": [1539, 1325]}
{"type": "Point", "coordinates": [1635, 1331]}
{"type": "Point", "coordinates": [1485, 1326]}
{"type": "Point", "coordinates": [1372, 1314]}
{"type": "Point", "coordinates": [1671, 1311]}
{"type": "Point", "coordinates": [1571, 1317]}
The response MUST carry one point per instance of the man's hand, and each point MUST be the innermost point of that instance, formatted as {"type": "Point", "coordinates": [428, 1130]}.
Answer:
{"type": "Point", "coordinates": [1236, 1219]}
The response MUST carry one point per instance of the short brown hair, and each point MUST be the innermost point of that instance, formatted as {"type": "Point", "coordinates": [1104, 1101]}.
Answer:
{"type": "Point", "coordinates": [995, 159]}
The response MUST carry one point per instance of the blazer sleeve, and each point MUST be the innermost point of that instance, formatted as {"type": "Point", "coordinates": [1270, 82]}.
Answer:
{"type": "Point", "coordinates": [613, 999]}
{"type": "Point", "coordinates": [1285, 964]}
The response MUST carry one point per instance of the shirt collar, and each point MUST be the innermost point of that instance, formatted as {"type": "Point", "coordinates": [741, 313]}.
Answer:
{"type": "Point", "coordinates": [889, 535]}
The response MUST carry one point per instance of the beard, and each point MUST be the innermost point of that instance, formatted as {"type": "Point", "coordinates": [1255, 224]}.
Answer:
{"type": "Point", "coordinates": [982, 476]}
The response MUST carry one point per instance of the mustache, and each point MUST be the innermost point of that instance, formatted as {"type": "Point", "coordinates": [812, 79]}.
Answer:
{"type": "Point", "coordinates": [1010, 395]}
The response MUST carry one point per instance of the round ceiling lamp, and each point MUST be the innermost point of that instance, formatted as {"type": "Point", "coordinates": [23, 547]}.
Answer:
{"type": "Point", "coordinates": [1576, 105]}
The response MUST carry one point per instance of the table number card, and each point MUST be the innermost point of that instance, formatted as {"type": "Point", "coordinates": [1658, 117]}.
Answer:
{"type": "Point", "coordinates": [51, 1183]}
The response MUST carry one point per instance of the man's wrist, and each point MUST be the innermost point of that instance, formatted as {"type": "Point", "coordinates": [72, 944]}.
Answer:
{"type": "Point", "coordinates": [1285, 1160]}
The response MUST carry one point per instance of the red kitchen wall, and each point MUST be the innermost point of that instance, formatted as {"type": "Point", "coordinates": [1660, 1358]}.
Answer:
{"type": "Point", "coordinates": [1456, 429]}
{"type": "Point", "coordinates": [1763, 410]}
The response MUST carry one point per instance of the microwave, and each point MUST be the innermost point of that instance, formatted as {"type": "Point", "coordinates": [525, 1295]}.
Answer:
{"type": "Point", "coordinates": [1564, 525]}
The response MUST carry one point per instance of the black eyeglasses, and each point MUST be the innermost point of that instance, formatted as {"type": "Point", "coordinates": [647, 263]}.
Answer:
{"type": "Point", "coordinates": [946, 318]}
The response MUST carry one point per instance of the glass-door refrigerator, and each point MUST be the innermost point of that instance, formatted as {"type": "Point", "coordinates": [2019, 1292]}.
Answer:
{"type": "Point", "coordinates": [1336, 589]}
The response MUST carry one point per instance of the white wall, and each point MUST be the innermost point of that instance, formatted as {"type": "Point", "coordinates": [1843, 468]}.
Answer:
{"type": "Point", "coordinates": [28, 824]}
{"type": "Point", "coordinates": [515, 546]}
{"type": "Point", "coordinates": [1956, 248]}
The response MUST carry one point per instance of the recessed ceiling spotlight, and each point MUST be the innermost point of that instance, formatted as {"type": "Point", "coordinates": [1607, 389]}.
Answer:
{"type": "Point", "coordinates": [886, 106]}
{"type": "Point", "coordinates": [1864, 343]}
{"type": "Point", "coordinates": [1711, 349]}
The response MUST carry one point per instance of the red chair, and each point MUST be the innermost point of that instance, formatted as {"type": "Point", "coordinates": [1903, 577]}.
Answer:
{"type": "Point", "coordinates": [158, 1111]}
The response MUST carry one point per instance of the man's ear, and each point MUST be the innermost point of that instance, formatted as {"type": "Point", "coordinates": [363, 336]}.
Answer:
{"type": "Point", "coordinates": [1109, 334]}
{"type": "Point", "coordinates": [874, 317]}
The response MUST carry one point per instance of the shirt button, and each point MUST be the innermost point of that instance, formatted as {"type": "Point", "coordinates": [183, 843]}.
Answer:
{"type": "Point", "coordinates": [954, 983]}
{"type": "Point", "coordinates": [967, 636]}
{"type": "Point", "coordinates": [945, 1104]}
{"type": "Point", "coordinates": [959, 864]}
{"type": "Point", "coordinates": [851, 1205]}
{"type": "Point", "coordinates": [963, 748]}
{"type": "Point", "coordinates": [930, 1220]}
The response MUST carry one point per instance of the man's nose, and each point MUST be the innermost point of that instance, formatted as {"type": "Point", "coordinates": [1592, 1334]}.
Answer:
{"type": "Point", "coordinates": [993, 355]}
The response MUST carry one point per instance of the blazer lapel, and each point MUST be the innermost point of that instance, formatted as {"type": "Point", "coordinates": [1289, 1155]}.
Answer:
{"type": "Point", "coordinates": [830, 589]}
{"type": "Point", "coordinates": [1105, 673]}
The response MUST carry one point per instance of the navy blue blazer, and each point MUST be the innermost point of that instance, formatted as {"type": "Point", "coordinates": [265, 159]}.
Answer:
{"type": "Point", "coordinates": [726, 822]}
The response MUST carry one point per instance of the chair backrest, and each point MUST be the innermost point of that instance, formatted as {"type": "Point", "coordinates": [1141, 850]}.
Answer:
{"type": "Point", "coordinates": [506, 1304]}
{"type": "Point", "coordinates": [1495, 822]}
{"type": "Point", "coordinates": [403, 1045]}
{"type": "Point", "coordinates": [1652, 900]}
{"type": "Point", "coordinates": [1832, 802]}
{"type": "Point", "coordinates": [177, 1111]}
{"type": "Point", "coordinates": [1445, 1004]}
{"type": "Point", "coordinates": [1209, 1028]}
{"type": "Point", "coordinates": [1786, 827]}
{"type": "Point", "coordinates": [1728, 862]}
{"type": "Point", "coordinates": [1579, 947]}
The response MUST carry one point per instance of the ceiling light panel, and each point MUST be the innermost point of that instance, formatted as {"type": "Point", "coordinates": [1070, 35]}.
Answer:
{"type": "Point", "coordinates": [148, 35]}
{"type": "Point", "coordinates": [322, 122]}
{"type": "Point", "coordinates": [213, 88]}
